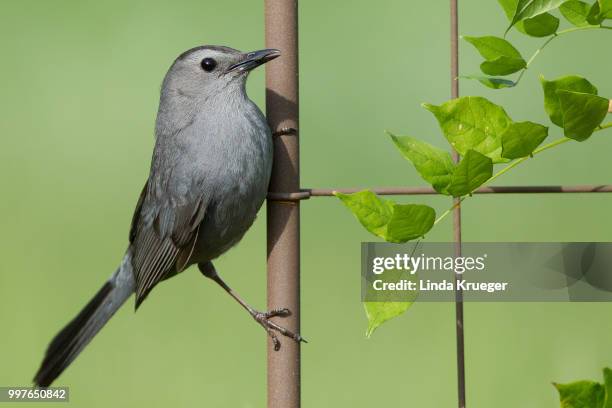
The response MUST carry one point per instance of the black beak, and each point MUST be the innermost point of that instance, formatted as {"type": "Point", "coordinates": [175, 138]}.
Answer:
{"type": "Point", "coordinates": [254, 59]}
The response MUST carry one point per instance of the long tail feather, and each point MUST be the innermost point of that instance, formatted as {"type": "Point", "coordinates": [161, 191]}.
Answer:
{"type": "Point", "coordinates": [73, 338]}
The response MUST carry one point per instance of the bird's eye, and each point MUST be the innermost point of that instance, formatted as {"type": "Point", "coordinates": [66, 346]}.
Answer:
{"type": "Point", "coordinates": [208, 64]}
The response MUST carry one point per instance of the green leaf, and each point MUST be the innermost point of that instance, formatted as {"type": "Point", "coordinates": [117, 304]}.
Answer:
{"type": "Point", "coordinates": [608, 387]}
{"type": "Point", "coordinates": [372, 212]}
{"type": "Point", "coordinates": [587, 394]}
{"type": "Point", "coordinates": [605, 7]}
{"type": "Point", "coordinates": [576, 12]}
{"type": "Point", "coordinates": [521, 139]}
{"type": "Point", "coordinates": [531, 8]}
{"type": "Point", "coordinates": [582, 113]}
{"type": "Point", "coordinates": [501, 56]}
{"type": "Point", "coordinates": [409, 221]}
{"type": "Point", "coordinates": [494, 83]}
{"type": "Point", "coordinates": [491, 47]}
{"type": "Point", "coordinates": [380, 312]}
{"type": "Point", "coordinates": [599, 11]}
{"type": "Point", "coordinates": [388, 220]}
{"type": "Point", "coordinates": [471, 172]}
{"type": "Point", "coordinates": [595, 16]}
{"type": "Point", "coordinates": [434, 165]}
{"type": "Point", "coordinates": [503, 66]}
{"type": "Point", "coordinates": [474, 123]}
{"type": "Point", "coordinates": [568, 83]}
{"type": "Point", "coordinates": [541, 26]}
{"type": "Point", "coordinates": [581, 394]}
{"type": "Point", "coordinates": [509, 7]}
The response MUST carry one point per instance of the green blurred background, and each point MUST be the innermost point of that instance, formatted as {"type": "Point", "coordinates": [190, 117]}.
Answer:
{"type": "Point", "coordinates": [80, 84]}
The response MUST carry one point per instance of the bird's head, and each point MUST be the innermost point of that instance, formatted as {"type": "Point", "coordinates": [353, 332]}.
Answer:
{"type": "Point", "coordinates": [208, 70]}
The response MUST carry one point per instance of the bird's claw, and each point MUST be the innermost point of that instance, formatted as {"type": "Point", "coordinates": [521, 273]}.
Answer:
{"type": "Point", "coordinates": [284, 312]}
{"type": "Point", "coordinates": [263, 318]}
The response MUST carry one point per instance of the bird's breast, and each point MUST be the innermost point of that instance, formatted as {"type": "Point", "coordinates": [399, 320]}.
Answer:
{"type": "Point", "coordinates": [239, 171]}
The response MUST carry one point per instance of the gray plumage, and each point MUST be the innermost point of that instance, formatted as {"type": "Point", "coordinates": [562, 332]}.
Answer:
{"type": "Point", "coordinates": [209, 176]}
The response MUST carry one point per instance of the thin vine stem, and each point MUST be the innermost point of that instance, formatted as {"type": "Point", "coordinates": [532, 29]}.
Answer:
{"type": "Point", "coordinates": [515, 163]}
{"type": "Point", "coordinates": [605, 126]}
{"type": "Point", "coordinates": [507, 169]}
{"type": "Point", "coordinates": [448, 211]}
{"type": "Point", "coordinates": [546, 146]}
{"type": "Point", "coordinates": [549, 40]}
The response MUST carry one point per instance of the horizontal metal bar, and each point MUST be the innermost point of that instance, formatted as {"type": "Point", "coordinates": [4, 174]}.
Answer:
{"type": "Point", "coordinates": [306, 193]}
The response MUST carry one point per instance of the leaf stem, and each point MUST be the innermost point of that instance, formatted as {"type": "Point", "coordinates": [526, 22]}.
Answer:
{"type": "Point", "coordinates": [507, 169]}
{"type": "Point", "coordinates": [548, 41]}
{"type": "Point", "coordinates": [539, 50]}
{"type": "Point", "coordinates": [445, 213]}
{"type": "Point", "coordinates": [550, 145]}
{"type": "Point", "coordinates": [573, 29]}
{"type": "Point", "coordinates": [546, 146]}
{"type": "Point", "coordinates": [605, 126]}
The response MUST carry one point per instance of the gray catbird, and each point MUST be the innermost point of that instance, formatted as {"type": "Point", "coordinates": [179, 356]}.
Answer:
{"type": "Point", "coordinates": [209, 176]}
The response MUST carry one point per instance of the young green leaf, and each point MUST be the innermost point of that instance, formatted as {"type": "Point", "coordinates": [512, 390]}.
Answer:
{"type": "Point", "coordinates": [587, 394]}
{"type": "Point", "coordinates": [471, 172]}
{"type": "Point", "coordinates": [605, 8]}
{"type": "Point", "coordinates": [552, 104]}
{"type": "Point", "coordinates": [493, 83]}
{"type": "Point", "coordinates": [596, 15]}
{"type": "Point", "coordinates": [372, 212]}
{"type": "Point", "coordinates": [541, 26]}
{"type": "Point", "coordinates": [510, 7]}
{"type": "Point", "coordinates": [521, 139]}
{"type": "Point", "coordinates": [474, 123]}
{"type": "Point", "coordinates": [582, 113]}
{"type": "Point", "coordinates": [599, 11]}
{"type": "Point", "coordinates": [576, 12]}
{"type": "Point", "coordinates": [581, 394]}
{"type": "Point", "coordinates": [380, 312]}
{"type": "Point", "coordinates": [433, 164]}
{"type": "Point", "coordinates": [503, 66]}
{"type": "Point", "coordinates": [501, 56]}
{"type": "Point", "coordinates": [409, 221]}
{"type": "Point", "coordinates": [532, 8]}
{"type": "Point", "coordinates": [388, 220]}
{"type": "Point", "coordinates": [491, 47]}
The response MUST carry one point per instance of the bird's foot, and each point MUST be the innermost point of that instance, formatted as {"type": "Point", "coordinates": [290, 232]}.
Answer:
{"type": "Point", "coordinates": [263, 318]}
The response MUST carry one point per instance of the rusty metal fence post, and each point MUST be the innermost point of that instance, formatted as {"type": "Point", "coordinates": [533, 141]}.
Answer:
{"type": "Point", "coordinates": [283, 217]}
{"type": "Point", "coordinates": [285, 194]}
{"type": "Point", "coordinates": [454, 77]}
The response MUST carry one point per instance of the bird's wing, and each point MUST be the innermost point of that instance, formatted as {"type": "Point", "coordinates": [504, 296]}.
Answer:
{"type": "Point", "coordinates": [163, 234]}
